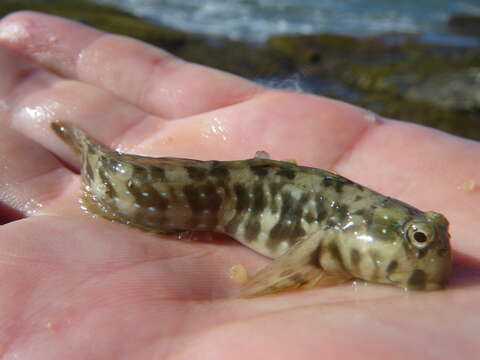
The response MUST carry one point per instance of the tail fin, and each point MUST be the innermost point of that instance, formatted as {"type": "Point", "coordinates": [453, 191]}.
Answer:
{"type": "Point", "coordinates": [73, 136]}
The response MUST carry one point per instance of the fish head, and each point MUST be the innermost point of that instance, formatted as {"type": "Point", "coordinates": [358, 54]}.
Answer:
{"type": "Point", "coordinates": [424, 254]}
{"type": "Point", "coordinates": [404, 247]}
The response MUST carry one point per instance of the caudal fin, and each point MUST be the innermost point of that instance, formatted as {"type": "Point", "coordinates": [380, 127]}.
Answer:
{"type": "Point", "coordinates": [72, 135]}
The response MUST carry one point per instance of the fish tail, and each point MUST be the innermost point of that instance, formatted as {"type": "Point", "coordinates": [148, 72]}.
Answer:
{"type": "Point", "coordinates": [73, 136]}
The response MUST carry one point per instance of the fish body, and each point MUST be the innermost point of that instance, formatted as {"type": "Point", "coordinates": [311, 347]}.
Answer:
{"type": "Point", "coordinates": [320, 228]}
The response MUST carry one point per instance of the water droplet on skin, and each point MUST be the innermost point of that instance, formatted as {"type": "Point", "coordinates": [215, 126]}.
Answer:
{"type": "Point", "coordinates": [32, 207]}
{"type": "Point", "coordinates": [370, 117]}
{"type": "Point", "coordinates": [52, 39]}
{"type": "Point", "coordinates": [216, 129]}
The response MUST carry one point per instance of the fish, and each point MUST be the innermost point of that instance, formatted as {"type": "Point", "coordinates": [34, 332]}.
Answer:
{"type": "Point", "coordinates": [320, 228]}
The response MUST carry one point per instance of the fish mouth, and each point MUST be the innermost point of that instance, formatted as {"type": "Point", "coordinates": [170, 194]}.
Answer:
{"type": "Point", "coordinates": [417, 280]}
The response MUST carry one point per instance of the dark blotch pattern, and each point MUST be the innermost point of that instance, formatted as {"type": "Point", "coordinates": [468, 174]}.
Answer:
{"type": "Point", "coordinates": [153, 198]}
{"type": "Point", "coordinates": [252, 229]}
{"type": "Point", "coordinates": [260, 170]}
{"type": "Point", "coordinates": [320, 207]}
{"type": "Point", "coordinates": [342, 212]}
{"type": "Point", "coordinates": [274, 191]}
{"type": "Point", "coordinates": [219, 171]}
{"type": "Point", "coordinates": [193, 197]}
{"type": "Point", "coordinates": [157, 173]}
{"type": "Point", "coordinates": [286, 172]}
{"type": "Point", "coordinates": [417, 280]}
{"type": "Point", "coordinates": [365, 214]}
{"type": "Point", "coordinates": [259, 199]}
{"type": "Point", "coordinates": [358, 198]}
{"type": "Point", "coordinates": [335, 253]}
{"type": "Point", "coordinates": [204, 208]}
{"type": "Point", "coordinates": [309, 217]}
{"type": "Point", "coordinates": [339, 186]}
{"type": "Point", "coordinates": [392, 266]}
{"type": "Point", "coordinates": [421, 253]}
{"type": "Point", "coordinates": [315, 256]}
{"type": "Point", "coordinates": [289, 225]}
{"type": "Point", "coordinates": [328, 181]}
{"type": "Point", "coordinates": [222, 184]}
{"type": "Point", "coordinates": [111, 193]}
{"type": "Point", "coordinates": [281, 228]}
{"type": "Point", "coordinates": [211, 200]}
{"type": "Point", "coordinates": [196, 173]}
{"type": "Point", "coordinates": [242, 203]}
{"type": "Point", "coordinates": [358, 186]}
{"type": "Point", "coordinates": [355, 258]}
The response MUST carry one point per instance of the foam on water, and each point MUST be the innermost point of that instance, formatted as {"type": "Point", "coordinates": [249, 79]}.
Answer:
{"type": "Point", "coordinates": [255, 20]}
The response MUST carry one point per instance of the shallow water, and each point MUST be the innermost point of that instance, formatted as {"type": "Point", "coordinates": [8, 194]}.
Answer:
{"type": "Point", "coordinates": [255, 20]}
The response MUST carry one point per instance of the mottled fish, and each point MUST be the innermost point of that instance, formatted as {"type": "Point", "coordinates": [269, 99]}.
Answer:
{"type": "Point", "coordinates": [320, 228]}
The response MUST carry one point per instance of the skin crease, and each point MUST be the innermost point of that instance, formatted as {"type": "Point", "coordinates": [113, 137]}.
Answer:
{"type": "Point", "coordinates": [77, 287]}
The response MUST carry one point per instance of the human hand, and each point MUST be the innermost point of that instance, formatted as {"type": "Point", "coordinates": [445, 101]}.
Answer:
{"type": "Point", "coordinates": [76, 287]}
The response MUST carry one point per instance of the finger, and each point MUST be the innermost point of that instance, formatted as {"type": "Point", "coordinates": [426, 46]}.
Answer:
{"type": "Point", "coordinates": [32, 98]}
{"type": "Point", "coordinates": [32, 180]}
{"type": "Point", "coordinates": [145, 76]}
{"type": "Point", "coordinates": [272, 118]}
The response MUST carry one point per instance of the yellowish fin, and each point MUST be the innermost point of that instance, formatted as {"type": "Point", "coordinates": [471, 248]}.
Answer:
{"type": "Point", "coordinates": [298, 268]}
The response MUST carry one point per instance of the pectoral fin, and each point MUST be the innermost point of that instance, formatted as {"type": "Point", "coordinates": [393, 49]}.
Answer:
{"type": "Point", "coordinates": [298, 268]}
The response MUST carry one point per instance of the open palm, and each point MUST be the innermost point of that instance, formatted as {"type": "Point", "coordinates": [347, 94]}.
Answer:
{"type": "Point", "coordinates": [77, 287]}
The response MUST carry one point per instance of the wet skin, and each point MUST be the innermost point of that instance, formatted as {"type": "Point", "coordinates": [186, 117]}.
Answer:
{"type": "Point", "coordinates": [78, 287]}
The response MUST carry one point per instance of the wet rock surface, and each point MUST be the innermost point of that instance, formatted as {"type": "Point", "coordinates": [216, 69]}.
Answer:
{"type": "Point", "coordinates": [397, 75]}
{"type": "Point", "coordinates": [465, 24]}
{"type": "Point", "coordinates": [455, 90]}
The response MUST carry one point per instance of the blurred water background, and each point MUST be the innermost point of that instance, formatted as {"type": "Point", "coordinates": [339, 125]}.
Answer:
{"type": "Point", "coordinates": [256, 20]}
{"type": "Point", "coordinates": [415, 60]}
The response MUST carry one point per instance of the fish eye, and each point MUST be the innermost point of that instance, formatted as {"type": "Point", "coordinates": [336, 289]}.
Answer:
{"type": "Point", "coordinates": [420, 235]}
